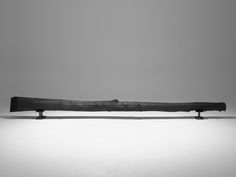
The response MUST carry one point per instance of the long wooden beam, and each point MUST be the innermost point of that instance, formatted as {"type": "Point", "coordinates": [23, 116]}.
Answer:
{"type": "Point", "coordinates": [42, 104]}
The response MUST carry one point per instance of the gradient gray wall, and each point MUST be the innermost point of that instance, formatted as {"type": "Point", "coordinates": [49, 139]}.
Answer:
{"type": "Point", "coordinates": [166, 50]}
{"type": "Point", "coordinates": [163, 50]}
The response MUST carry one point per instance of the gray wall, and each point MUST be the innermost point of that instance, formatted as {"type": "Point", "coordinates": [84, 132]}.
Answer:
{"type": "Point", "coordinates": [165, 50]}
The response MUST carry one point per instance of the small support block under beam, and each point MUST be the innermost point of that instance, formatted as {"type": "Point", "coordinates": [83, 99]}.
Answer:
{"type": "Point", "coordinates": [199, 117]}
{"type": "Point", "coordinates": [41, 116]}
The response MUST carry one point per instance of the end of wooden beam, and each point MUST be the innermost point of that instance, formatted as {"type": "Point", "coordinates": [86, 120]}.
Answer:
{"type": "Point", "coordinates": [14, 103]}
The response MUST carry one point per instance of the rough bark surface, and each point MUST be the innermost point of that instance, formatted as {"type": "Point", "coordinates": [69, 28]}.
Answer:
{"type": "Point", "coordinates": [37, 104]}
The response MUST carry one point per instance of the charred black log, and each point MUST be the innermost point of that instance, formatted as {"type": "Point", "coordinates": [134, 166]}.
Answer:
{"type": "Point", "coordinates": [37, 104]}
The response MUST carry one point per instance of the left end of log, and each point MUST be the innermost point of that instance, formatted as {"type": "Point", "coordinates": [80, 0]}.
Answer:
{"type": "Point", "coordinates": [13, 104]}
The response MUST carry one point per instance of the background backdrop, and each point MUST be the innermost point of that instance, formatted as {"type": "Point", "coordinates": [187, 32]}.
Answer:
{"type": "Point", "coordinates": [163, 50]}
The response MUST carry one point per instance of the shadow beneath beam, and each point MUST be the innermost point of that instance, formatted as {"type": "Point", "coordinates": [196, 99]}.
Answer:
{"type": "Point", "coordinates": [117, 117]}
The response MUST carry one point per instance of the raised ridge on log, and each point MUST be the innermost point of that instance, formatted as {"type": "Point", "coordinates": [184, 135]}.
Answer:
{"type": "Point", "coordinates": [42, 104]}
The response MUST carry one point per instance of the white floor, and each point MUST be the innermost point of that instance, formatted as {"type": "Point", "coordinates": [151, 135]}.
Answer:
{"type": "Point", "coordinates": [117, 148]}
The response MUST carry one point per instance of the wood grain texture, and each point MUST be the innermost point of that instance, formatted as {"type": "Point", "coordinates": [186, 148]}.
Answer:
{"type": "Point", "coordinates": [33, 104]}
